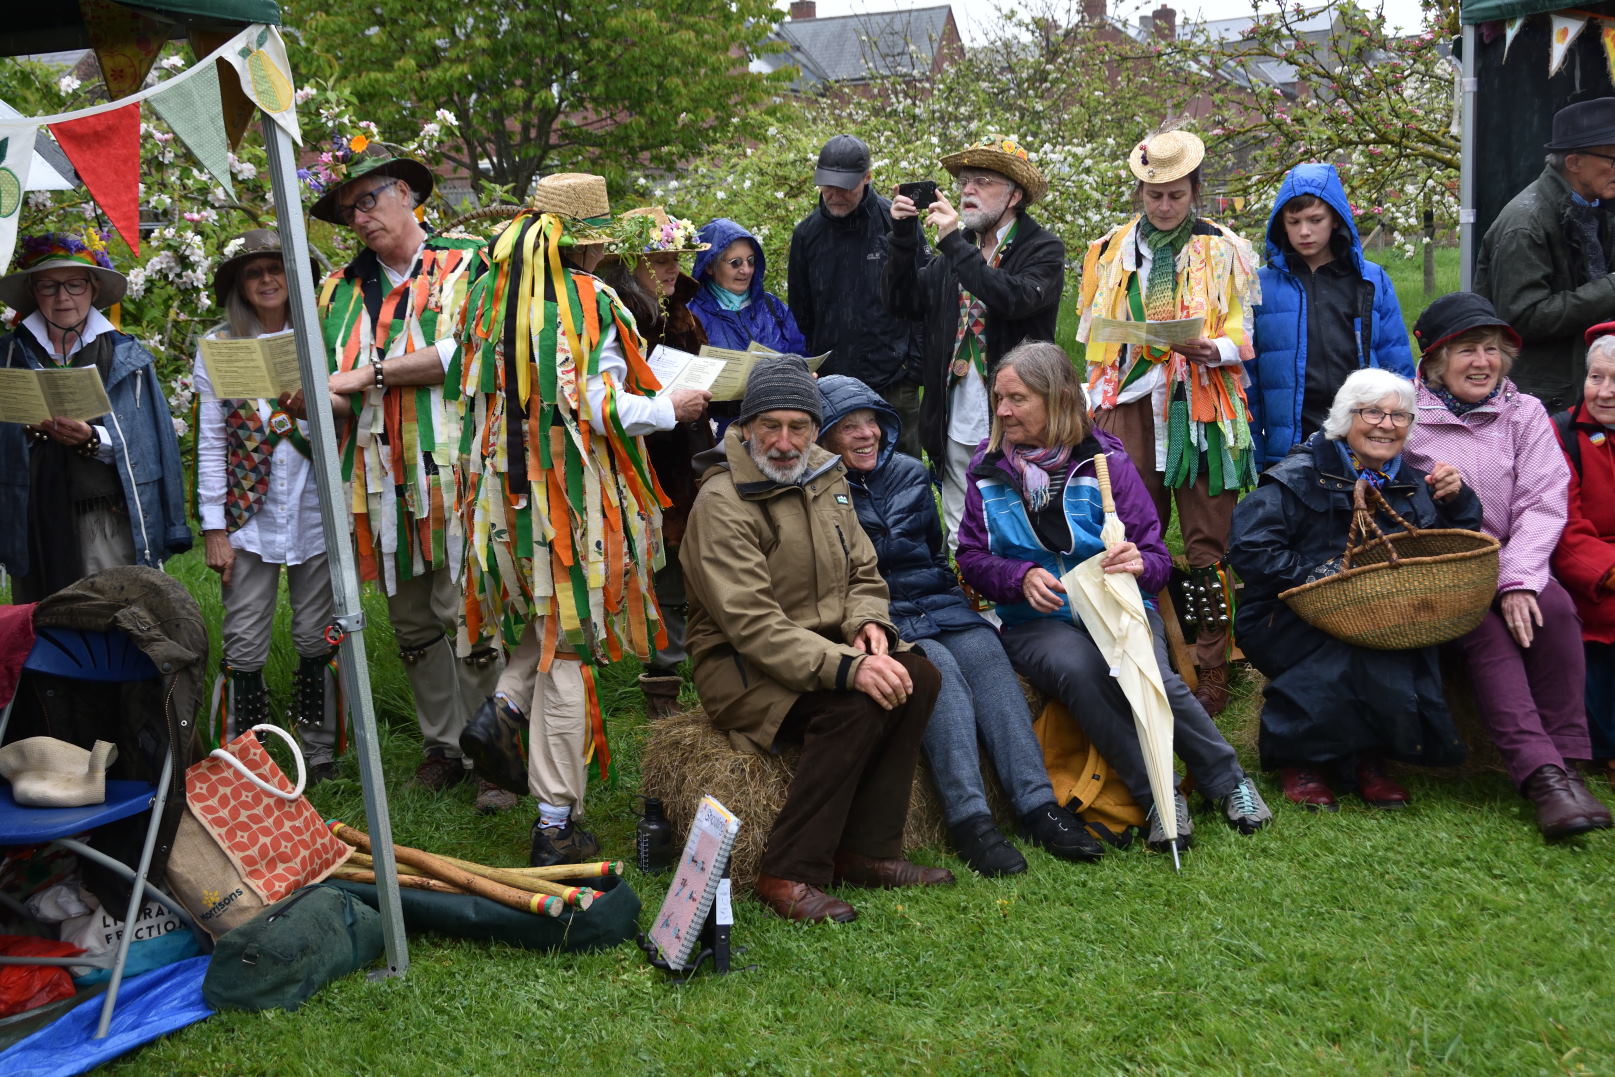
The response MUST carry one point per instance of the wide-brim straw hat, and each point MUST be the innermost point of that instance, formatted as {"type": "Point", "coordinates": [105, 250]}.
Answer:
{"type": "Point", "coordinates": [60, 250]}
{"type": "Point", "coordinates": [580, 199]}
{"type": "Point", "coordinates": [665, 232]}
{"type": "Point", "coordinates": [1004, 156]}
{"type": "Point", "coordinates": [375, 160]}
{"type": "Point", "coordinates": [1167, 156]}
{"type": "Point", "coordinates": [253, 244]}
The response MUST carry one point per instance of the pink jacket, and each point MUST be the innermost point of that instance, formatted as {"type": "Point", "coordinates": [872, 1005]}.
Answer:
{"type": "Point", "coordinates": [1508, 453]}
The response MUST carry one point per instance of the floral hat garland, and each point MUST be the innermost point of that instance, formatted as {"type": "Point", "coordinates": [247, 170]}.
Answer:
{"type": "Point", "coordinates": [352, 157]}
{"type": "Point", "coordinates": [652, 230]}
{"type": "Point", "coordinates": [61, 250]}
{"type": "Point", "coordinates": [995, 153]}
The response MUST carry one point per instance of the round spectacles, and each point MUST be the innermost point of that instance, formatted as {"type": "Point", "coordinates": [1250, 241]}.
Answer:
{"type": "Point", "coordinates": [1375, 416]}
{"type": "Point", "coordinates": [736, 263]}
{"type": "Point", "coordinates": [981, 183]}
{"type": "Point", "coordinates": [49, 288]}
{"type": "Point", "coordinates": [363, 204]}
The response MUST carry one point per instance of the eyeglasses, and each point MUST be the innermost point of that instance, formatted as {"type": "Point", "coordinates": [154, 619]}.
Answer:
{"type": "Point", "coordinates": [736, 263]}
{"type": "Point", "coordinates": [48, 288]}
{"type": "Point", "coordinates": [1374, 416]}
{"type": "Point", "coordinates": [266, 269]}
{"type": "Point", "coordinates": [1593, 153]}
{"type": "Point", "coordinates": [968, 180]}
{"type": "Point", "coordinates": [363, 204]}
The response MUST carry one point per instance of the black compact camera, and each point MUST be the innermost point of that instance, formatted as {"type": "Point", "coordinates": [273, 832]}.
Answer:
{"type": "Point", "coordinates": [921, 192]}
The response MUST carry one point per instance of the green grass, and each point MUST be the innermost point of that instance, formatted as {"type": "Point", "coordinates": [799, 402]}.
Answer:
{"type": "Point", "coordinates": [1444, 939]}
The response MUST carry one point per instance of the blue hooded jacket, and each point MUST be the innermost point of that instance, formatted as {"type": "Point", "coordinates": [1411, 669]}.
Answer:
{"type": "Point", "coordinates": [897, 509]}
{"type": "Point", "coordinates": [1279, 372]}
{"type": "Point", "coordinates": [767, 320]}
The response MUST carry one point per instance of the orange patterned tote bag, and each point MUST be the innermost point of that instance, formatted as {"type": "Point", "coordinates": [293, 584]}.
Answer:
{"type": "Point", "coordinates": [248, 836]}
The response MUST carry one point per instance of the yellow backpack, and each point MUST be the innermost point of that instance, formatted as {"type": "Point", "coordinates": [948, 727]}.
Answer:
{"type": "Point", "coordinates": [1083, 781]}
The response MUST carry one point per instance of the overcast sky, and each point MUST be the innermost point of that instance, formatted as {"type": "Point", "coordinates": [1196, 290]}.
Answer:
{"type": "Point", "coordinates": [974, 16]}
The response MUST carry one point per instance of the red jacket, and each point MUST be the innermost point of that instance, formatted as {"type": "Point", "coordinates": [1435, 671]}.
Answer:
{"type": "Point", "coordinates": [1585, 557]}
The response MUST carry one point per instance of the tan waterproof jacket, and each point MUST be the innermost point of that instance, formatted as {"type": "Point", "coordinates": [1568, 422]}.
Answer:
{"type": "Point", "coordinates": [778, 579]}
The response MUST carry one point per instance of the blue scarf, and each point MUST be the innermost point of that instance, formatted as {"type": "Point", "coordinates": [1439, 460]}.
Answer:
{"type": "Point", "coordinates": [1377, 477]}
{"type": "Point", "coordinates": [1459, 407]}
{"type": "Point", "coordinates": [726, 299]}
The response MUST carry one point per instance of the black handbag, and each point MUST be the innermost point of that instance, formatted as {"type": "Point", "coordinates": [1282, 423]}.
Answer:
{"type": "Point", "coordinates": [293, 948]}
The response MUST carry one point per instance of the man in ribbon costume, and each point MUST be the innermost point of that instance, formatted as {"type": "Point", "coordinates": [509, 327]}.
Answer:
{"type": "Point", "coordinates": [391, 321]}
{"type": "Point", "coordinates": [562, 511]}
{"type": "Point", "coordinates": [1181, 407]}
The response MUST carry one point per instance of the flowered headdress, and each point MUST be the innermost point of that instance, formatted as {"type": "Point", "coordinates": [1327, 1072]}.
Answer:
{"type": "Point", "coordinates": [353, 157]}
{"type": "Point", "coordinates": [652, 230]}
{"type": "Point", "coordinates": [1005, 156]}
{"type": "Point", "coordinates": [59, 250]}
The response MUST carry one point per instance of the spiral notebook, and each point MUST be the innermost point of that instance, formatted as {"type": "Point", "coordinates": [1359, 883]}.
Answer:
{"type": "Point", "coordinates": [698, 877]}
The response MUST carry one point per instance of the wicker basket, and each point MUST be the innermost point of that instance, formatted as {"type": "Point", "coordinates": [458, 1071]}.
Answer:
{"type": "Point", "coordinates": [1411, 589]}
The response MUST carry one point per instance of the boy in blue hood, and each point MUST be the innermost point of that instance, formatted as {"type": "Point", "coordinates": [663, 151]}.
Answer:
{"type": "Point", "coordinates": [1325, 312]}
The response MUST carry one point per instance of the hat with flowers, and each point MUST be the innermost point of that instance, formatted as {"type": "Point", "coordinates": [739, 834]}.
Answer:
{"type": "Point", "coordinates": [353, 157]}
{"type": "Point", "coordinates": [61, 250]}
{"type": "Point", "coordinates": [652, 230]}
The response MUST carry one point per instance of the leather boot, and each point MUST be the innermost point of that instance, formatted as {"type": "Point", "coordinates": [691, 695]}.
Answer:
{"type": "Point", "coordinates": [1212, 691]}
{"type": "Point", "coordinates": [661, 694]}
{"type": "Point", "coordinates": [1595, 808]}
{"type": "Point", "coordinates": [1559, 812]}
{"type": "Point", "coordinates": [1308, 788]}
{"type": "Point", "coordinates": [1376, 787]}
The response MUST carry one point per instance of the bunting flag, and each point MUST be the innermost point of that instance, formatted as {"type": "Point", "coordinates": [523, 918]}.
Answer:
{"type": "Point", "coordinates": [1607, 32]}
{"type": "Point", "coordinates": [105, 148]}
{"type": "Point", "coordinates": [266, 77]}
{"type": "Point", "coordinates": [126, 43]}
{"type": "Point", "coordinates": [1510, 32]}
{"type": "Point", "coordinates": [16, 156]}
{"type": "Point", "coordinates": [1565, 30]}
{"type": "Point", "coordinates": [236, 106]}
{"type": "Point", "coordinates": [191, 108]}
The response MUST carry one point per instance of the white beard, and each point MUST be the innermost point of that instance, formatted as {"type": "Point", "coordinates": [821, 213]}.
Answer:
{"type": "Point", "coordinates": [785, 475]}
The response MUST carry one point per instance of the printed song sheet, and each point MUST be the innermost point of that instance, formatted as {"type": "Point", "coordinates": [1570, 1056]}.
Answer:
{"type": "Point", "coordinates": [1146, 334]}
{"type": "Point", "coordinates": [253, 367]}
{"type": "Point", "coordinates": [32, 396]}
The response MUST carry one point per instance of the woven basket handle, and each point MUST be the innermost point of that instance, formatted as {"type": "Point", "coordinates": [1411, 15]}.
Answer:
{"type": "Point", "coordinates": [1363, 525]}
{"type": "Point", "coordinates": [1385, 506]}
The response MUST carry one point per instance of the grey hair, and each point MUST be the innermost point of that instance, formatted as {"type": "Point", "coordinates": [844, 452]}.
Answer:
{"type": "Point", "coordinates": [242, 317]}
{"type": "Point", "coordinates": [1365, 388]}
{"type": "Point", "coordinates": [1555, 160]}
{"type": "Point", "coordinates": [1601, 348]}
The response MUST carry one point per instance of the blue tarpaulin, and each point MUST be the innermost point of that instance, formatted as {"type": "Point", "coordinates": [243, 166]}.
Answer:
{"type": "Point", "coordinates": [149, 1006]}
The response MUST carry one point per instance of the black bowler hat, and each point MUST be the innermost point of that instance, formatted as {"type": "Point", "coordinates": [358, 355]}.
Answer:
{"type": "Point", "coordinates": [1454, 314]}
{"type": "Point", "coordinates": [1584, 124]}
{"type": "Point", "coordinates": [844, 162]}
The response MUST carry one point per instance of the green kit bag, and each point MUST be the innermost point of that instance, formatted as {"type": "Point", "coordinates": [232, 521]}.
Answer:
{"type": "Point", "coordinates": [292, 949]}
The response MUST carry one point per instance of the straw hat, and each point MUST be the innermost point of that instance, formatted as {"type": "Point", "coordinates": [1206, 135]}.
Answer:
{"type": "Point", "coordinates": [48, 773]}
{"type": "Point", "coordinates": [61, 250]}
{"type": "Point", "coordinates": [1004, 156]}
{"type": "Point", "coordinates": [661, 233]}
{"type": "Point", "coordinates": [355, 159]}
{"type": "Point", "coordinates": [581, 198]}
{"type": "Point", "coordinates": [1166, 156]}
{"type": "Point", "coordinates": [243, 249]}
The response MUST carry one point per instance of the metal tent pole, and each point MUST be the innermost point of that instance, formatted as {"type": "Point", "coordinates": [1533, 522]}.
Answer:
{"type": "Point", "coordinates": [1466, 162]}
{"type": "Point", "coordinates": [338, 545]}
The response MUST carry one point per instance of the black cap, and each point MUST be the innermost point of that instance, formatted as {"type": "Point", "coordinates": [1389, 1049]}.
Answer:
{"type": "Point", "coordinates": [844, 162]}
{"type": "Point", "coordinates": [1458, 313]}
{"type": "Point", "coordinates": [780, 382]}
{"type": "Point", "coordinates": [1583, 125]}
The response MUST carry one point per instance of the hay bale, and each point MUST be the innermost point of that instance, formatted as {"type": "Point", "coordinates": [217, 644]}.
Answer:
{"type": "Point", "coordinates": [686, 758]}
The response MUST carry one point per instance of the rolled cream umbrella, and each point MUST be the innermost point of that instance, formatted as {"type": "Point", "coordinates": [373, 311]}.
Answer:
{"type": "Point", "coordinates": [1110, 607]}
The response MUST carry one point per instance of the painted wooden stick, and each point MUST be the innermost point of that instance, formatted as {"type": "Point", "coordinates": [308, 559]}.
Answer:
{"type": "Point", "coordinates": [438, 869]}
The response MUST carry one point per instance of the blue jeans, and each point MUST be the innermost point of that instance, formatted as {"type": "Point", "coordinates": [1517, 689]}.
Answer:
{"type": "Point", "coordinates": [987, 704]}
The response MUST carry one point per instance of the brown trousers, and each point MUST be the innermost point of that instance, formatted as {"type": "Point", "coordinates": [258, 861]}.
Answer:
{"type": "Point", "coordinates": [1203, 520]}
{"type": "Point", "coordinates": [852, 781]}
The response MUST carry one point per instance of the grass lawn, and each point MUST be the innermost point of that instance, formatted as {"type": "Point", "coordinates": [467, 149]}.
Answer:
{"type": "Point", "coordinates": [1443, 939]}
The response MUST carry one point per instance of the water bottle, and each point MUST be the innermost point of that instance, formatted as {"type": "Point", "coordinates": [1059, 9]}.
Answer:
{"type": "Point", "coordinates": [653, 839]}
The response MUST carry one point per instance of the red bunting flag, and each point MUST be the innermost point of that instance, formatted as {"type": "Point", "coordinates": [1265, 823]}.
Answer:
{"type": "Point", "coordinates": [105, 148]}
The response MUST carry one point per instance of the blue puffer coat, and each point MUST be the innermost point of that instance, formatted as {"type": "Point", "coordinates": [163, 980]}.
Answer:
{"type": "Point", "coordinates": [767, 320]}
{"type": "Point", "coordinates": [898, 512]}
{"type": "Point", "coordinates": [1278, 373]}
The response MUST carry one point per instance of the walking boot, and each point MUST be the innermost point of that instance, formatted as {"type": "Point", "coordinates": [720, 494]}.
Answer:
{"type": "Point", "coordinates": [661, 694]}
{"type": "Point", "coordinates": [1212, 691]}
{"type": "Point", "coordinates": [1559, 812]}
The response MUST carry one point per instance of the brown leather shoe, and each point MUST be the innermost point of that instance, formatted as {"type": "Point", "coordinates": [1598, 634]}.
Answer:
{"type": "Point", "coordinates": [1212, 691]}
{"type": "Point", "coordinates": [858, 870]}
{"type": "Point", "coordinates": [1308, 789]}
{"type": "Point", "coordinates": [1559, 812]}
{"type": "Point", "coordinates": [799, 901]}
{"type": "Point", "coordinates": [661, 694]}
{"type": "Point", "coordinates": [1595, 808]}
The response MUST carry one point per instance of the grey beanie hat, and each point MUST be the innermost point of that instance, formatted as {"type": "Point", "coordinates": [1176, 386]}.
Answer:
{"type": "Point", "coordinates": [780, 381]}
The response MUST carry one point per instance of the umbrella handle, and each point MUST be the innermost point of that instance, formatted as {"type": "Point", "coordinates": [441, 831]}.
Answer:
{"type": "Point", "coordinates": [1101, 467]}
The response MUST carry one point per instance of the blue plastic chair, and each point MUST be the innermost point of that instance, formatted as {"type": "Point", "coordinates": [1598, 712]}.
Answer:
{"type": "Point", "coordinates": [107, 658]}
